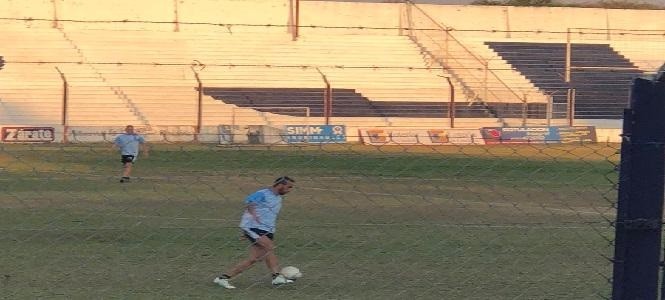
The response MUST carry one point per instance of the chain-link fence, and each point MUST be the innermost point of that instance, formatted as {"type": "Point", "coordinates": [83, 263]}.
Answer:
{"type": "Point", "coordinates": [364, 221]}
{"type": "Point", "coordinates": [427, 148]}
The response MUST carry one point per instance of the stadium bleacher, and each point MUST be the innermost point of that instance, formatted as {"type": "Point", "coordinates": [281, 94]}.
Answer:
{"type": "Point", "coordinates": [145, 73]}
{"type": "Point", "coordinates": [600, 75]}
{"type": "Point", "coordinates": [345, 102]}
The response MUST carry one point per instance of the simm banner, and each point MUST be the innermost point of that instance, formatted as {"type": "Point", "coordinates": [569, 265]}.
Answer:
{"type": "Point", "coordinates": [315, 134]}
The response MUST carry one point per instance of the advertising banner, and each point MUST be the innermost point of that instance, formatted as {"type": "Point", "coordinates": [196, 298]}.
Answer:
{"type": "Point", "coordinates": [28, 134]}
{"type": "Point", "coordinates": [538, 135]}
{"type": "Point", "coordinates": [401, 136]}
{"type": "Point", "coordinates": [577, 134]}
{"type": "Point", "coordinates": [315, 134]}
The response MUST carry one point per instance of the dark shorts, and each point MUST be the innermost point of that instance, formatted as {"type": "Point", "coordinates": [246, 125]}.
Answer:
{"type": "Point", "coordinates": [127, 159]}
{"type": "Point", "coordinates": [259, 232]}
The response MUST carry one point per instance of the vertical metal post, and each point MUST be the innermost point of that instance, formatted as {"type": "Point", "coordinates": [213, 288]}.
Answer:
{"type": "Point", "coordinates": [571, 91]}
{"type": "Point", "coordinates": [486, 65]}
{"type": "Point", "coordinates": [451, 103]}
{"type": "Point", "coordinates": [308, 132]}
{"type": "Point", "coordinates": [233, 120]}
{"type": "Point", "coordinates": [326, 103]}
{"type": "Point", "coordinates": [569, 51]}
{"type": "Point", "coordinates": [199, 113]}
{"type": "Point", "coordinates": [296, 21]}
{"type": "Point", "coordinates": [445, 47]}
{"type": "Point", "coordinates": [400, 21]}
{"type": "Point", "coordinates": [525, 110]}
{"type": "Point", "coordinates": [549, 109]}
{"type": "Point", "coordinates": [176, 18]}
{"type": "Point", "coordinates": [571, 106]}
{"type": "Point", "coordinates": [55, 13]}
{"type": "Point", "coordinates": [641, 189]}
{"type": "Point", "coordinates": [327, 98]}
{"type": "Point", "coordinates": [65, 106]}
{"type": "Point", "coordinates": [199, 106]}
{"type": "Point", "coordinates": [409, 18]}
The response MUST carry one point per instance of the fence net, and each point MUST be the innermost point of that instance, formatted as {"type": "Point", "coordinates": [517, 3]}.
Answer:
{"type": "Point", "coordinates": [226, 108]}
{"type": "Point", "coordinates": [364, 221]}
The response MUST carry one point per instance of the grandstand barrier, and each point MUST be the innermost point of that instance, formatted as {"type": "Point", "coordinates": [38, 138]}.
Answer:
{"type": "Point", "coordinates": [314, 134]}
{"type": "Point", "coordinates": [482, 136]}
{"type": "Point", "coordinates": [159, 134]}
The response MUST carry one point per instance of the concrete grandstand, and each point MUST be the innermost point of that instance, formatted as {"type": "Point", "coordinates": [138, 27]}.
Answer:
{"type": "Point", "coordinates": [127, 64]}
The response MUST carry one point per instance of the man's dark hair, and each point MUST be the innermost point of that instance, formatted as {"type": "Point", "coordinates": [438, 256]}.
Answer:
{"type": "Point", "coordinates": [2, 62]}
{"type": "Point", "coordinates": [283, 180]}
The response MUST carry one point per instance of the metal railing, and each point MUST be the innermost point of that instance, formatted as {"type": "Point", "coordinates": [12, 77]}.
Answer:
{"type": "Point", "coordinates": [479, 81]}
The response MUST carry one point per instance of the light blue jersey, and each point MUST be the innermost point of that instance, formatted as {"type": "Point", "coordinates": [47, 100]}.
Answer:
{"type": "Point", "coordinates": [129, 143]}
{"type": "Point", "coordinates": [266, 206]}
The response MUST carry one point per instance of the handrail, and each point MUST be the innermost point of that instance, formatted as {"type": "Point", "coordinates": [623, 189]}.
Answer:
{"type": "Point", "coordinates": [446, 29]}
{"type": "Point", "coordinates": [327, 98]}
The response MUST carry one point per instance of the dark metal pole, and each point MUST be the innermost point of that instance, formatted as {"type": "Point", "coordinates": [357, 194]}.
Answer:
{"type": "Point", "coordinates": [327, 98]}
{"type": "Point", "coordinates": [451, 104]}
{"type": "Point", "coordinates": [326, 108]}
{"type": "Point", "coordinates": [55, 13]}
{"type": "Point", "coordinates": [199, 106]}
{"type": "Point", "coordinates": [65, 104]}
{"type": "Point", "coordinates": [571, 106]}
{"type": "Point", "coordinates": [176, 20]}
{"type": "Point", "coordinates": [296, 32]}
{"type": "Point", "coordinates": [641, 190]}
{"type": "Point", "coordinates": [199, 112]}
{"type": "Point", "coordinates": [329, 104]}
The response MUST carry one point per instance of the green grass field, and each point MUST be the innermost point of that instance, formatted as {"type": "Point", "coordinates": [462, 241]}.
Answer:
{"type": "Point", "coordinates": [364, 222]}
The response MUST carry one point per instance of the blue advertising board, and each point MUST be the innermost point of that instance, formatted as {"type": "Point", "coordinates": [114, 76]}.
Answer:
{"type": "Point", "coordinates": [315, 134]}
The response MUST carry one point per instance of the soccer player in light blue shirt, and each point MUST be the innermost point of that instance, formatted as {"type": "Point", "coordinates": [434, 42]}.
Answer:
{"type": "Point", "coordinates": [262, 209]}
{"type": "Point", "coordinates": [129, 145]}
{"type": "Point", "coordinates": [258, 225]}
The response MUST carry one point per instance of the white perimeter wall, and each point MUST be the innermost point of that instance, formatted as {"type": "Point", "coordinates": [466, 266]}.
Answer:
{"type": "Point", "coordinates": [335, 14]}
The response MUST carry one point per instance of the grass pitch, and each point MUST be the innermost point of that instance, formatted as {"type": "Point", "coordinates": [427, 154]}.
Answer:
{"type": "Point", "coordinates": [364, 222]}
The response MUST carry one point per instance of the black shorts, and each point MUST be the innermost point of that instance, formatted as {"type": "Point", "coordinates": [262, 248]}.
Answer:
{"type": "Point", "coordinates": [127, 159]}
{"type": "Point", "coordinates": [260, 232]}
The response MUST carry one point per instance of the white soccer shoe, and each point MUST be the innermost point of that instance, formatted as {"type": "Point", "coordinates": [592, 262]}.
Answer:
{"type": "Point", "coordinates": [280, 279]}
{"type": "Point", "coordinates": [223, 283]}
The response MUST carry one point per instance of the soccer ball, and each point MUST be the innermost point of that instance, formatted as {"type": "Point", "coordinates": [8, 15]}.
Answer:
{"type": "Point", "coordinates": [290, 272]}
